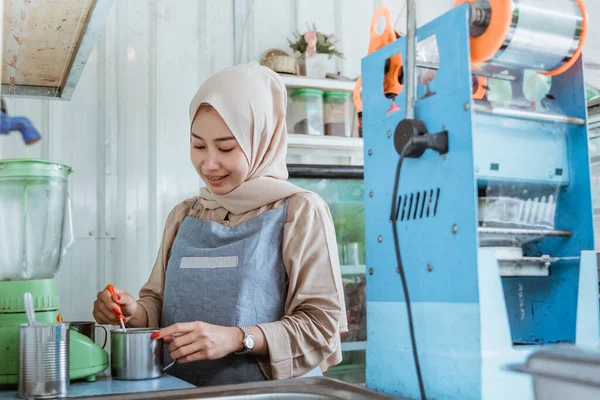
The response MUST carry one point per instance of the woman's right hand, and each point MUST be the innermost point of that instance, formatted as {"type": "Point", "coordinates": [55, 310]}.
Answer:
{"type": "Point", "coordinates": [105, 305]}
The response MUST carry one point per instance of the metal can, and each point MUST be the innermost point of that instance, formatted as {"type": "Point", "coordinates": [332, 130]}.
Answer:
{"type": "Point", "coordinates": [134, 355]}
{"type": "Point", "coordinates": [44, 361]}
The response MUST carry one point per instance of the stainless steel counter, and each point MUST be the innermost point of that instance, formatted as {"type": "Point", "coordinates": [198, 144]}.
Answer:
{"type": "Point", "coordinates": [171, 388]}
{"type": "Point", "coordinates": [106, 386]}
{"type": "Point", "coordinates": [293, 389]}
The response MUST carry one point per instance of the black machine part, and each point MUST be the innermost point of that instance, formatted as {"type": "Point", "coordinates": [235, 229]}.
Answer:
{"type": "Point", "coordinates": [414, 132]}
{"type": "Point", "coordinates": [479, 17]}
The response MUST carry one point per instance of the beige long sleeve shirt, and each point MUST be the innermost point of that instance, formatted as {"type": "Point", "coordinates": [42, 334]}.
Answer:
{"type": "Point", "coordinates": [309, 333]}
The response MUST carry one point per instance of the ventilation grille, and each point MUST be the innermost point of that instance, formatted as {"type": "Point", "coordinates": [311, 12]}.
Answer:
{"type": "Point", "coordinates": [417, 205]}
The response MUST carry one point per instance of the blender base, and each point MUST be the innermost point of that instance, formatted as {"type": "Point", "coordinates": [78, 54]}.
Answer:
{"type": "Point", "coordinates": [86, 359]}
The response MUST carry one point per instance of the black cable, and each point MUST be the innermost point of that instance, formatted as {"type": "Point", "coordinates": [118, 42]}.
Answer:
{"type": "Point", "coordinates": [394, 218]}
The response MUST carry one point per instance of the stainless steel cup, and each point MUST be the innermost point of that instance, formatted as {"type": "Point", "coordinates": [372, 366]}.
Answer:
{"type": "Point", "coordinates": [44, 361]}
{"type": "Point", "coordinates": [134, 355]}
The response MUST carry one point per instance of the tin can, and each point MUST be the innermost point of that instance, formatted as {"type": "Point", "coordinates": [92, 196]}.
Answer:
{"type": "Point", "coordinates": [44, 361]}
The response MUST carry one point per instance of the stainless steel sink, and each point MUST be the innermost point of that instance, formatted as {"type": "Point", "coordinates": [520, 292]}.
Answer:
{"type": "Point", "coordinates": [293, 389]}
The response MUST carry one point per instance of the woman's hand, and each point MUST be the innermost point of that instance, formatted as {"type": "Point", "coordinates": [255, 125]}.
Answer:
{"type": "Point", "coordinates": [105, 305]}
{"type": "Point", "coordinates": [193, 341]}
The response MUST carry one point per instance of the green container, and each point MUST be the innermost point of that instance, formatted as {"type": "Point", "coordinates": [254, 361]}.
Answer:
{"type": "Point", "coordinates": [338, 113]}
{"type": "Point", "coordinates": [305, 112]}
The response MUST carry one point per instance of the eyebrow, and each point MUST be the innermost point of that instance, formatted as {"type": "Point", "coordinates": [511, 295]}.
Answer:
{"type": "Point", "coordinates": [223, 139]}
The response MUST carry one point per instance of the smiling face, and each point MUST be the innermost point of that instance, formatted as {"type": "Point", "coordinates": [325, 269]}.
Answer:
{"type": "Point", "coordinates": [215, 153]}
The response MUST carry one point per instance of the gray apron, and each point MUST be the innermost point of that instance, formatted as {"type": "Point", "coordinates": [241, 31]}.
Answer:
{"type": "Point", "coordinates": [228, 276]}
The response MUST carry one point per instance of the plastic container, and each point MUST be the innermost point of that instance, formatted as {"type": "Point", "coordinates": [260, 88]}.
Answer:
{"type": "Point", "coordinates": [35, 218]}
{"type": "Point", "coordinates": [305, 112]}
{"type": "Point", "coordinates": [337, 110]}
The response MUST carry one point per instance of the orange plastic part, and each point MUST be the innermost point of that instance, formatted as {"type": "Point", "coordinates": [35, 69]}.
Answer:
{"type": "Point", "coordinates": [356, 94]}
{"type": "Point", "coordinates": [577, 54]}
{"type": "Point", "coordinates": [59, 318]}
{"type": "Point", "coordinates": [377, 41]}
{"type": "Point", "coordinates": [485, 46]}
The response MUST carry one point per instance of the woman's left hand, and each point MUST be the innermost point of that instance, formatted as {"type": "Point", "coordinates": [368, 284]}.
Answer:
{"type": "Point", "coordinates": [193, 341]}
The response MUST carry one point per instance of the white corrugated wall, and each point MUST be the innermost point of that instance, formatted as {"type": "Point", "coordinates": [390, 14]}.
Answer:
{"type": "Point", "coordinates": [125, 134]}
{"type": "Point", "coordinates": [125, 130]}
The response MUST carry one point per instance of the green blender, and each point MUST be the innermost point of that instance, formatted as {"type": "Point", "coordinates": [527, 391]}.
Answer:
{"type": "Point", "coordinates": [35, 233]}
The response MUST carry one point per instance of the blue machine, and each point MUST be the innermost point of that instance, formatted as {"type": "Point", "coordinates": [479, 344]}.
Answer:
{"type": "Point", "coordinates": [470, 318]}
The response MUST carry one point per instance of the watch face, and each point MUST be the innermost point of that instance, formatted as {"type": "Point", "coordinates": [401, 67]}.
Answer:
{"type": "Point", "coordinates": [249, 342]}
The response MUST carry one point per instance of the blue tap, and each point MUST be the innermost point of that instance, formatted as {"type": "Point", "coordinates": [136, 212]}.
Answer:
{"type": "Point", "coordinates": [21, 124]}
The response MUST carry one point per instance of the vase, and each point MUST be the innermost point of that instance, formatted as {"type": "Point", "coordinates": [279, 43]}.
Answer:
{"type": "Point", "coordinates": [316, 66]}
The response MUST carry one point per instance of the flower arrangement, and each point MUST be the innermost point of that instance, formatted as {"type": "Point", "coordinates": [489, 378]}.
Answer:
{"type": "Point", "coordinates": [314, 42]}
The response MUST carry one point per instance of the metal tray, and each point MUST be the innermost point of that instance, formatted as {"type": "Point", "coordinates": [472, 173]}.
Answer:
{"type": "Point", "coordinates": [294, 389]}
{"type": "Point", "coordinates": [563, 372]}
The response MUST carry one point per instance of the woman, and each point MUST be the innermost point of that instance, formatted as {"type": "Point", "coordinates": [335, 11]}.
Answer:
{"type": "Point", "coordinates": [247, 284]}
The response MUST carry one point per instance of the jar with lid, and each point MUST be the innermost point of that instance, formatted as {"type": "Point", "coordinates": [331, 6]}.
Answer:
{"type": "Point", "coordinates": [305, 112]}
{"type": "Point", "coordinates": [337, 110]}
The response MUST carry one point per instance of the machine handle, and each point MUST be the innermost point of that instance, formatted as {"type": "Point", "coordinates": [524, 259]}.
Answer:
{"type": "Point", "coordinates": [377, 41]}
{"type": "Point", "coordinates": [387, 36]}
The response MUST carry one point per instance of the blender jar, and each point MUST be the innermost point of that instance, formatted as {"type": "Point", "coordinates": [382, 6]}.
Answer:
{"type": "Point", "coordinates": [35, 218]}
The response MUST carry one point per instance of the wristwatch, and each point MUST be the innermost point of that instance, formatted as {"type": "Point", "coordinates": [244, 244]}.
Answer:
{"type": "Point", "coordinates": [248, 341]}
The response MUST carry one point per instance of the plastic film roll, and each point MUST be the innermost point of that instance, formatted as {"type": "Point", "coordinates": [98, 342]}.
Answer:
{"type": "Point", "coordinates": [543, 35]}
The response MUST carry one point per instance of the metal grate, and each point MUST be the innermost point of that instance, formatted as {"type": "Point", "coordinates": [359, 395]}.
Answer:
{"type": "Point", "coordinates": [418, 205]}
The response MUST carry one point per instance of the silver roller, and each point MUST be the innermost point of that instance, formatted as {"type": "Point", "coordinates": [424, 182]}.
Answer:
{"type": "Point", "coordinates": [542, 35]}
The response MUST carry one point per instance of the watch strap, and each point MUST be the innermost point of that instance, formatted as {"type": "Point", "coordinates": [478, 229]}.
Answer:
{"type": "Point", "coordinates": [247, 333]}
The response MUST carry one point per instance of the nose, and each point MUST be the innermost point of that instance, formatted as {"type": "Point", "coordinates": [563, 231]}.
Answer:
{"type": "Point", "coordinates": [211, 162]}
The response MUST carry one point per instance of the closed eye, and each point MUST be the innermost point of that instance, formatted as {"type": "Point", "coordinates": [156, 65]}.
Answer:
{"type": "Point", "coordinates": [225, 150]}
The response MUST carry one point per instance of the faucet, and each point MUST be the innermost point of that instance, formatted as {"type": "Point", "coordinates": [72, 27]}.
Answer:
{"type": "Point", "coordinates": [21, 124]}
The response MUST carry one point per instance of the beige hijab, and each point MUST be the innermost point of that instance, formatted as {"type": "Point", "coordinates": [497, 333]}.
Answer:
{"type": "Point", "coordinates": [252, 101]}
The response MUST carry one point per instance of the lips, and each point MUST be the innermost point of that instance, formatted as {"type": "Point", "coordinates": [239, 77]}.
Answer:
{"type": "Point", "coordinates": [216, 180]}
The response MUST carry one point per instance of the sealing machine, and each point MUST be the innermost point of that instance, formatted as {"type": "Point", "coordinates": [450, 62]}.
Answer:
{"type": "Point", "coordinates": [479, 223]}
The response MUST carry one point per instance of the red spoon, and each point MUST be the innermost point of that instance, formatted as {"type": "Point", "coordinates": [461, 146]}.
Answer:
{"type": "Point", "coordinates": [117, 310]}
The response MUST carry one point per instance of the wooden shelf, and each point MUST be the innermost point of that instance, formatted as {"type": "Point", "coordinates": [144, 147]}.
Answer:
{"type": "Point", "coordinates": [325, 142]}
{"type": "Point", "coordinates": [292, 81]}
{"type": "Point", "coordinates": [52, 50]}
